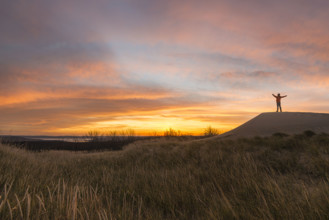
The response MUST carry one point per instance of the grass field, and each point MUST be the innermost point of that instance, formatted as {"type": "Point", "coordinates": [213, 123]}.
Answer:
{"type": "Point", "coordinates": [261, 178]}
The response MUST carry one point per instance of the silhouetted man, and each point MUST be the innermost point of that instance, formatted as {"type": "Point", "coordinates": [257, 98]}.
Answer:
{"type": "Point", "coordinates": [278, 101]}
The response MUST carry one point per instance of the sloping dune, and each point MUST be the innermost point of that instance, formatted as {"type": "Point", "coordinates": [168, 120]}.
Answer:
{"type": "Point", "coordinates": [269, 123]}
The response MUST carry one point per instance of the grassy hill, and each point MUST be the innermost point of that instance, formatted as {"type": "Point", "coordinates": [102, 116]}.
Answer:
{"type": "Point", "coordinates": [259, 178]}
{"type": "Point", "coordinates": [268, 123]}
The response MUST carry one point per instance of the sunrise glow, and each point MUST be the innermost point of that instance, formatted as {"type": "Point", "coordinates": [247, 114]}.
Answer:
{"type": "Point", "coordinates": [68, 67]}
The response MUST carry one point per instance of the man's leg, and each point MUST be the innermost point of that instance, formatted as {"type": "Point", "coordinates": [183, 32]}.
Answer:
{"type": "Point", "coordinates": [277, 107]}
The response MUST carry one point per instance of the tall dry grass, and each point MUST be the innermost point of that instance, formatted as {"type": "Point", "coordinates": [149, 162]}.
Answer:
{"type": "Point", "coordinates": [260, 178]}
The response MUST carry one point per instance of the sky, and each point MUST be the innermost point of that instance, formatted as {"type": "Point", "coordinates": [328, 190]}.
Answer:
{"type": "Point", "coordinates": [68, 67]}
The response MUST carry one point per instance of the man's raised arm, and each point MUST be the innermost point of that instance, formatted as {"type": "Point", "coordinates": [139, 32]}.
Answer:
{"type": "Point", "coordinates": [274, 95]}
{"type": "Point", "coordinates": [284, 96]}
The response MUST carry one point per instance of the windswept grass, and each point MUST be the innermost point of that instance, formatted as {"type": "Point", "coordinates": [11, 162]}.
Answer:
{"type": "Point", "coordinates": [261, 178]}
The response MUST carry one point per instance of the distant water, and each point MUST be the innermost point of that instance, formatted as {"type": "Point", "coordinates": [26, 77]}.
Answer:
{"type": "Point", "coordinates": [67, 139]}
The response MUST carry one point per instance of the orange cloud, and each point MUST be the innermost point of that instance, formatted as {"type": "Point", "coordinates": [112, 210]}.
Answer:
{"type": "Point", "coordinates": [68, 68]}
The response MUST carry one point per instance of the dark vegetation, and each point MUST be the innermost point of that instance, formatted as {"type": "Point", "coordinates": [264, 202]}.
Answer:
{"type": "Point", "coordinates": [71, 146]}
{"type": "Point", "coordinates": [92, 141]}
{"type": "Point", "coordinates": [96, 141]}
{"type": "Point", "coordinates": [112, 143]}
{"type": "Point", "coordinates": [277, 177]}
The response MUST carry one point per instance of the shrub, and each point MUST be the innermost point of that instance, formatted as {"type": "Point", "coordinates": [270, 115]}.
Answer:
{"type": "Point", "coordinates": [309, 133]}
{"type": "Point", "coordinates": [172, 133]}
{"type": "Point", "coordinates": [279, 134]}
{"type": "Point", "coordinates": [210, 131]}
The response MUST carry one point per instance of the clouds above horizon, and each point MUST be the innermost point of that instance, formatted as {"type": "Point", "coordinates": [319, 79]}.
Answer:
{"type": "Point", "coordinates": [78, 64]}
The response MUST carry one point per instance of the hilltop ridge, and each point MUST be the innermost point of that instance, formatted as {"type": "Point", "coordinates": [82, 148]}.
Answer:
{"type": "Point", "coordinates": [268, 123]}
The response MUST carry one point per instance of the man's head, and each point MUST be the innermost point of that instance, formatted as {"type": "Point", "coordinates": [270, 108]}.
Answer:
{"type": "Point", "coordinates": [278, 94]}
